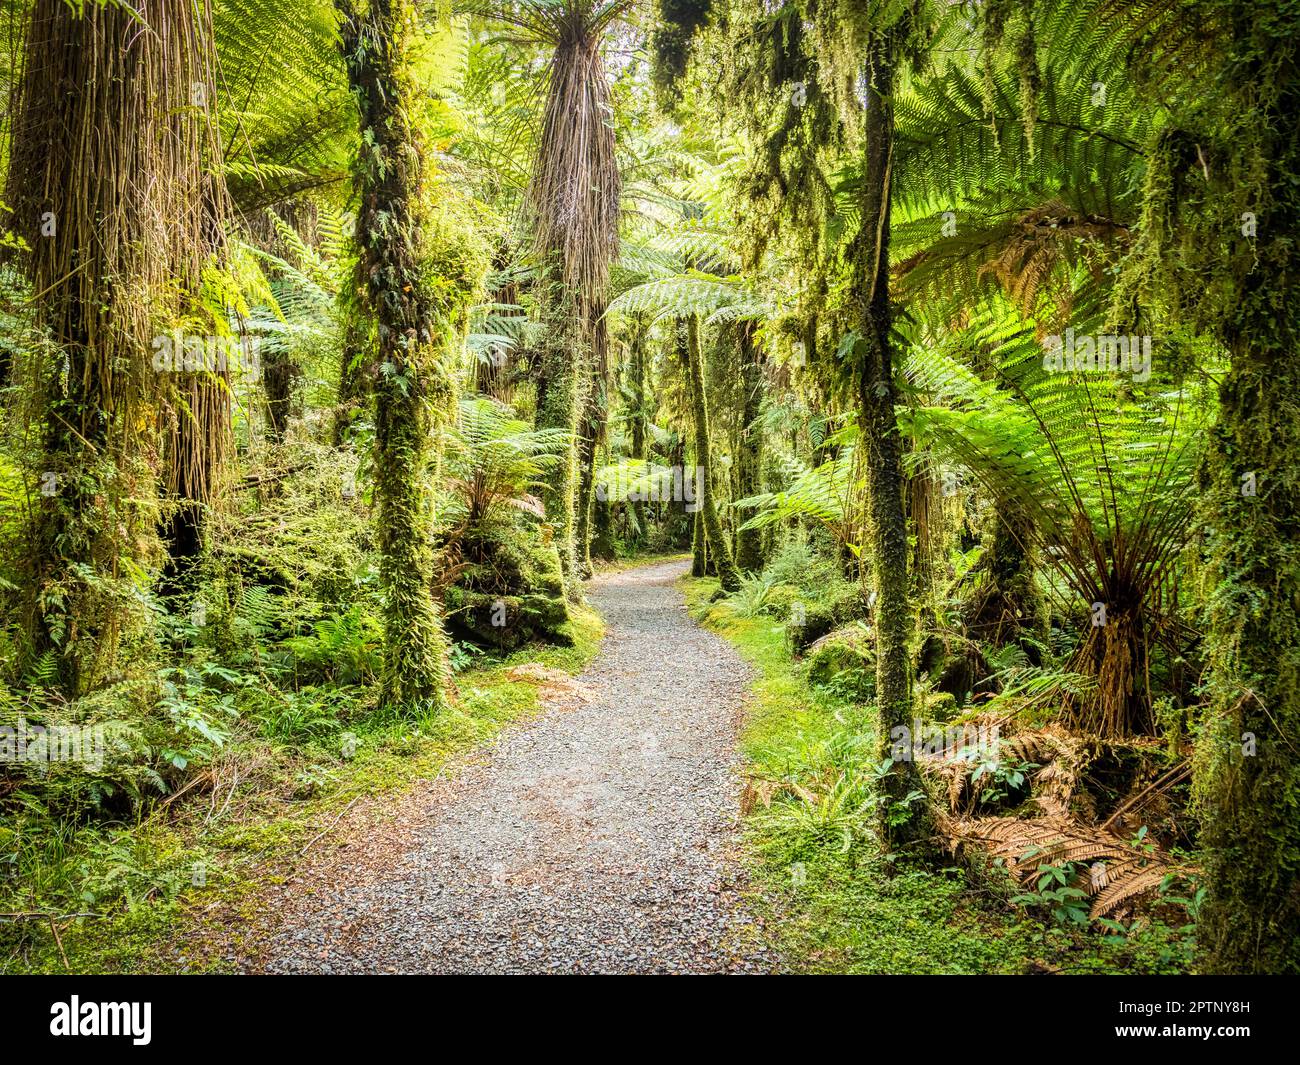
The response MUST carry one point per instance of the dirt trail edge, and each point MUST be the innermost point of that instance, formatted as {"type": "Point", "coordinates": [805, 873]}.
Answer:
{"type": "Point", "coordinates": [598, 838]}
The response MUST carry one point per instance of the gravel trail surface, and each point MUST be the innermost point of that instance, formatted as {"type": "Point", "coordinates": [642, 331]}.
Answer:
{"type": "Point", "coordinates": [599, 837]}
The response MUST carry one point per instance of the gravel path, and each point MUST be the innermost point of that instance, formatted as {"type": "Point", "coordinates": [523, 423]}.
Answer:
{"type": "Point", "coordinates": [597, 839]}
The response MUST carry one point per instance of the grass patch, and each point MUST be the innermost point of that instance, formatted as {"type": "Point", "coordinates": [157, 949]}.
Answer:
{"type": "Point", "coordinates": [204, 857]}
{"type": "Point", "coordinates": [829, 899]}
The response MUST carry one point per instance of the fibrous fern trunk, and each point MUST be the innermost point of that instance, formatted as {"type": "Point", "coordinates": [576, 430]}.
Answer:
{"type": "Point", "coordinates": [414, 388]}
{"type": "Point", "coordinates": [719, 551]}
{"type": "Point", "coordinates": [110, 188]}
{"type": "Point", "coordinates": [574, 198]}
{"type": "Point", "coordinates": [904, 811]}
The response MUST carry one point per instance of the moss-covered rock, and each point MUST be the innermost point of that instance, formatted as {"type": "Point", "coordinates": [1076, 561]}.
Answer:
{"type": "Point", "coordinates": [844, 659]}
{"type": "Point", "coordinates": [510, 591]}
{"type": "Point", "coordinates": [844, 604]}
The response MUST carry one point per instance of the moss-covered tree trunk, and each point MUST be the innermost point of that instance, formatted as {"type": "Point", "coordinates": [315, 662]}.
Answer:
{"type": "Point", "coordinates": [905, 818]}
{"type": "Point", "coordinates": [749, 464]}
{"type": "Point", "coordinates": [591, 429]}
{"type": "Point", "coordinates": [1248, 771]}
{"type": "Point", "coordinates": [638, 415]}
{"type": "Point", "coordinates": [109, 187]}
{"type": "Point", "coordinates": [416, 315]}
{"type": "Point", "coordinates": [560, 363]}
{"type": "Point", "coordinates": [699, 556]}
{"type": "Point", "coordinates": [718, 548]}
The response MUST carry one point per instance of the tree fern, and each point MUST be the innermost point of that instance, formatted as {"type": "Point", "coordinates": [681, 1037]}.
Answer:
{"type": "Point", "coordinates": [1103, 470]}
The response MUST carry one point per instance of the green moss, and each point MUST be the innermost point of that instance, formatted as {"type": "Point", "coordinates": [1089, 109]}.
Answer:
{"type": "Point", "coordinates": [845, 658]}
{"type": "Point", "coordinates": [841, 604]}
{"type": "Point", "coordinates": [512, 594]}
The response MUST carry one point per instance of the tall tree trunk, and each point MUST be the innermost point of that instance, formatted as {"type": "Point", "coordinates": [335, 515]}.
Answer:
{"type": "Point", "coordinates": [109, 186]}
{"type": "Point", "coordinates": [699, 556]}
{"type": "Point", "coordinates": [416, 321]}
{"type": "Point", "coordinates": [905, 818]}
{"type": "Point", "coordinates": [637, 351]}
{"type": "Point", "coordinates": [718, 549]}
{"type": "Point", "coordinates": [595, 412]}
{"type": "Point", "coordinates": [749, 465]}
{"type": "Point", "coordinates": [559, 376]}
{"type": "Point", "coordinates": [1248, 757]}
{"type": "Point", "coordinates": [574, 199]}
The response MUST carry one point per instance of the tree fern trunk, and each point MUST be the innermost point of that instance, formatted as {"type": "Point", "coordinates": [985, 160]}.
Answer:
{"type": "Point", "coordinates": [558, 408]}
{"type": "Point", "coordinates": [595, 410]}
{"type": "Point", "coordinates": [574, 199]}
{"type": "Point", "coordinates": [110, 189]}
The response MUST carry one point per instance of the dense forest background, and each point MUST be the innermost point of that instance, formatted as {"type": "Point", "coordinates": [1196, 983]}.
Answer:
{"type": "Point", "coordinates": [955, 343]}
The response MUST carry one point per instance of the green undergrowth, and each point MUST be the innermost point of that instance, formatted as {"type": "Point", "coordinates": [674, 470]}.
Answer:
{"type": "Point", "coordinates": [829, 900]}
{"type": "Point", "coordinates": [175, 890]}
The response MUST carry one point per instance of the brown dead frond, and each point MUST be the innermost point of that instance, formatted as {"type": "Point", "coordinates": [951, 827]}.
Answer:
{"type": "Point", "coordinates": [765, 790]}
{"type": "Point", "coordinates": [1116, 872]}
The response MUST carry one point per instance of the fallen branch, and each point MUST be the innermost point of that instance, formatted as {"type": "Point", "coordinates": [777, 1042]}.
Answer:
{"type": "Point", "coordinates": [1168, 780]}
{"type": "Point", "coordinates": [43, 916]}
{"type": "Point", "coordinates": [54, 927]}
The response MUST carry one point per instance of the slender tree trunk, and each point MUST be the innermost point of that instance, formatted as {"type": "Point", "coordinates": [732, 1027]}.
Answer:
{"type": "Point", "coordinates": [595, 412]}
{"type": "Point", "coordinates": [638, 415]}
{"type": "Point", "coordinates": [559, 372]}
{"type": "Point", "coordinates": [699, 557]}
{"type": "Point", "coordinates": [718, 549]}
{"type": "Point", "coordinates": [1248, 756]}
{"type": "Point", "coordinates": [905, 818]}
{"type": "Point", "coordinates": [415, 321]}
{"type": "Point", "coordinates": [749, 465]}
